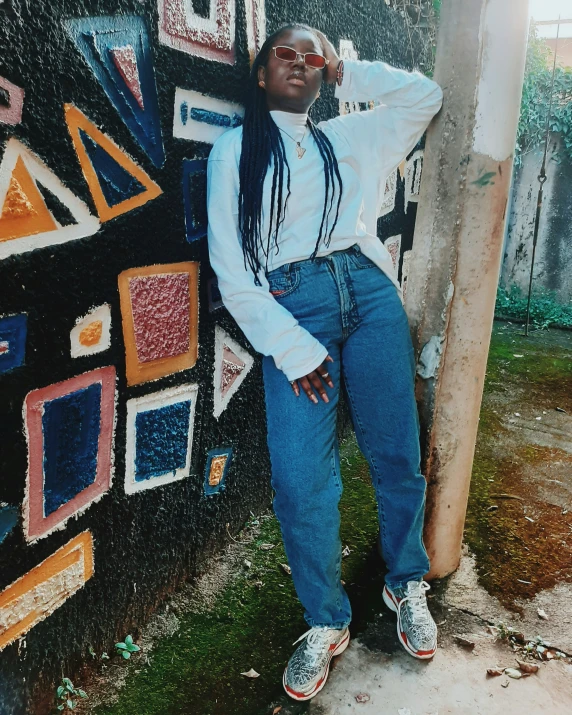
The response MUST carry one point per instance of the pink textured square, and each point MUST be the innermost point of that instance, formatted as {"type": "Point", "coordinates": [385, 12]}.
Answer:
{"type": "Point", "coordinates": [160, 306]}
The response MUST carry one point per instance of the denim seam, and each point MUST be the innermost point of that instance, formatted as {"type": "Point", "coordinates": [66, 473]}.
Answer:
{"type": "Point", "coordinates": [371, 458]}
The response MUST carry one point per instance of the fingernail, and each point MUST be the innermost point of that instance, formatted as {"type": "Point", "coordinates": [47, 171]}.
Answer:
{"type": "Point", "coordinates": [325, 398]}
{"type": "Point", "coordinates": [314, 399]}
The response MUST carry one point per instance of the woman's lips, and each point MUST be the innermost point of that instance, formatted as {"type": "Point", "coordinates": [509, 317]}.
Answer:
{"type": "Point", "coordinates": [297, 79]}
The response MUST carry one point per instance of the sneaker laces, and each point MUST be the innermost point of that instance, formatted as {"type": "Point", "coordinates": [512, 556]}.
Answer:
{"type": "Point", "coordinates": [417, 600]}
{"type": "Point", "coordinates": [317, 641]}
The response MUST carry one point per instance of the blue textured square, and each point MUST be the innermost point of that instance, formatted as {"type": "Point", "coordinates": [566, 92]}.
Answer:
{"type": "Point", "coordinates": [71, 425]}
{"type": "Point", "coordinates": [161, 440]}
{"type": "Point", "coordinates": [13, 331]}
{"type": "Point", "coordinates": [218, 452]}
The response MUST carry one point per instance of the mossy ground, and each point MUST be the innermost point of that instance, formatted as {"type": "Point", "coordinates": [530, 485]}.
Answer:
{"type": "Point", "coordinates": [529, 376]}
{"type": "Point", "coordinates": [197, 670]}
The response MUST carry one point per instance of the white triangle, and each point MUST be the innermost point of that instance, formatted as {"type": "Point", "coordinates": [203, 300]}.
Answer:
{"type": "Point", "coordinates": [222, 338]}
{"type": "Point", "coordinates": [86, 224]}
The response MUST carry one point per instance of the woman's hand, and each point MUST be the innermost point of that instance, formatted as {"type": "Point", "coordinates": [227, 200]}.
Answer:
{"type": "Point", "coordinates": [314, 380]}
{"type": "Point", "coordinates": [330, 53]}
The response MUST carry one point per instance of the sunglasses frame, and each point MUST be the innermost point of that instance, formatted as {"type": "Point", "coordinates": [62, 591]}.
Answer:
{"type": "Point", "coordinates": [302, 55]}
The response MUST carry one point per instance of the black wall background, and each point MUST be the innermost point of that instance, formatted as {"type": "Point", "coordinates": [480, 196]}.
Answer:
{"type": "Point", "coordinates": [146, 543]}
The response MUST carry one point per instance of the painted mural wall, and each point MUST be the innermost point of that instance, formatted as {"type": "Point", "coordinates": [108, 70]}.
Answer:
{"type": "Point", "coordinates": [553, 260]}
{"type": "Point", "coordinates": [131, 405]}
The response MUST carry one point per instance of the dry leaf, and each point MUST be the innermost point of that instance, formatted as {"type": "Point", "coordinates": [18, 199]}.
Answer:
{"type": "Point", "coordinates": [247, 563]}
{"type": "Point", "coordinates": [286, 569]}
{"type": "Point", "coordinates": [346, 551]}
{"type": "Point", "coordinates": [251, 674]}
{"type": "Point", "coordinates": [494, 671]}
{"type": "Point", "coordinates": [277, 710]}
{"type": "Point", "coordinates": [505, 684]}
{"type": "Point", "coordinates": [542, 614]}
{"type": "Point", "coordinates": [527, 667]}
{"type": "Point", "coordinates": [465, 642]}
{"type": "Point", "coordinates": [362, 698]}
{"type": "Point", "coordinates": [513, 673]}
{"type": "Point", "coordinates": [266, 547]}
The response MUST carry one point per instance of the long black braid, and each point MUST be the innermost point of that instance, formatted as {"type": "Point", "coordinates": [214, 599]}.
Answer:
{"type": "Point", "coordinates": [262, 144]}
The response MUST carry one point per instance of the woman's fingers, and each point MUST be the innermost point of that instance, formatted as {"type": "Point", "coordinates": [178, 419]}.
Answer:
{"type": "Point", "coordinates": [325, 375]}
{"type": "Point", "coordinates": [313, 381]}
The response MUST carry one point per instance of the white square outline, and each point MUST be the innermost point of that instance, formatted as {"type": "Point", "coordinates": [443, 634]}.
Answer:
{"type": "Point", "coordinates": [157, 400]}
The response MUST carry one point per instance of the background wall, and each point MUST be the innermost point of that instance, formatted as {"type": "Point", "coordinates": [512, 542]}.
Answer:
{"type": "Point", "coordinates": [111, 333]}
{"type": "Point", "coordinates": [553, 261]}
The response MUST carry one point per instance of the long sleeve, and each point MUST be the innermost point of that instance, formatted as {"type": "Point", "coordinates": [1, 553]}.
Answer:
{"type": "Point", "coordinates": [269, 327]}
{"type": "Point", "coordinates": [387, 133]}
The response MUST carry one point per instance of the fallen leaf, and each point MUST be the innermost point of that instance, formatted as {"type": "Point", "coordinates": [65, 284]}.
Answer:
{"type": "Point", "coordinates": [494, 671]}
{"type": "Point", "coordinates": [277, 710]}
{"type": "Point", "coordinates": [266, 547]}
{"type": "Point", "coordinates": [513, 673]}
{"type": "Point", "coordinates": [542, 614]}
{"type": "Point", "coordinates": [247, 563]}
{"type": "Point", "coordinates": [251, 674]}
{"type": "Point", "coordinates": [362, 698]}
{"type": "Point", "coordinates": [549, 655]}
{"type": "Point", "coordinates": [529, 519]}
{"type": "Point", "coordinates": [346, 551]}
{"type": "Point", "coordinates": [527, 667]}
{"type": "Point", "coordinates": [465, 642]}
{"type": "Point", "coordinates": [559, 409]}
{"type": "Point", "coordinates": [493, 507]}
{"type": "Point", "coordinates": [518, 355]}
{"type": "Point", "coordinates": [505, 684]}
{"type": "Point", "coordinates": [286, 569]}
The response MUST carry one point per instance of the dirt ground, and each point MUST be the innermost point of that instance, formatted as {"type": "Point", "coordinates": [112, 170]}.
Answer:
{"type": "Point", "coordinates": [242, 613]}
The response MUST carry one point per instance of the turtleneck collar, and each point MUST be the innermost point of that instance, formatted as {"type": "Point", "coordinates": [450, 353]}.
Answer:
{"type": "Point", "coordinates": [290, 122]}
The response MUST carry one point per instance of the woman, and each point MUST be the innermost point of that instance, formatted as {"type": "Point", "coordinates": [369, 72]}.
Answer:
{"type": "Point", "coordinates": [292, 238]}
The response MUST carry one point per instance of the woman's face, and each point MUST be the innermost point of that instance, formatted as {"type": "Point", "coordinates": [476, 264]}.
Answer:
{"type": "Point", "coordinates": [292, 86]}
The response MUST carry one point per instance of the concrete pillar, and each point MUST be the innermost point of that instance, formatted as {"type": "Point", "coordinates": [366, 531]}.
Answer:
{"type": "Point", "coordinates": [457, 248]}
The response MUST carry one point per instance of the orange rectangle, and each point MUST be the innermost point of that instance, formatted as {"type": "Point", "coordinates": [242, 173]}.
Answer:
{"type": "Point", "coordinates": [45, 588]}
{"type": "Point", "coordinates": [142, 335]}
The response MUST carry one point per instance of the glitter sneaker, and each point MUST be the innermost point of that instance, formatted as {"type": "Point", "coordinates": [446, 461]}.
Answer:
{"type": "Point", "coordinates": [416, 628]}
{"type": "Point", "coordinates": [308, 668]}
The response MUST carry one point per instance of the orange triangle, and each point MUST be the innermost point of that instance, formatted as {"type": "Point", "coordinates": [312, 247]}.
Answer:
{"type": "Point", "coordinates": [76, 120]}
{"type": "Point", "coordinates": [24, 212]}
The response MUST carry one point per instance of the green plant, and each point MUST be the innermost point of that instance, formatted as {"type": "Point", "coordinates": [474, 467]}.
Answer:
{"type": "Point", "coordinates": [536, 100]}
{"type": "Point", "coordinates": [127, 647]}
{"type": "Point", "coordinates": [545, 311]}
{"type": "Point", "coordinates": [65, 694]}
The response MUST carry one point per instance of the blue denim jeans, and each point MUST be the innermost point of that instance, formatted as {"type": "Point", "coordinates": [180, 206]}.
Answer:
{"type": "Point", "coordinates": [354, 310]}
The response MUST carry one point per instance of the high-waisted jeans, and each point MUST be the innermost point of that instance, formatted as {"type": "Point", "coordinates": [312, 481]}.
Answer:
{"type": "Point", "coordinates": [354, 310]}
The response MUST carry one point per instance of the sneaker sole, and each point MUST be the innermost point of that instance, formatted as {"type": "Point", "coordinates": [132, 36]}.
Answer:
{"type": "Point", "coordinates": [391, 604]}
{"type": "Point", "coordinates": [342, 645]}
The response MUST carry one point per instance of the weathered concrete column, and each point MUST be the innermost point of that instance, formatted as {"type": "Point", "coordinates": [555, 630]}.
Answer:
{"type": "Point", "coordinates": [458, 244]}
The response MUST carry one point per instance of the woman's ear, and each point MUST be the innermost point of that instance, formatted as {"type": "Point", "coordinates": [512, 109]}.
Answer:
{"type": "Point", "coordinates": [261, 76]}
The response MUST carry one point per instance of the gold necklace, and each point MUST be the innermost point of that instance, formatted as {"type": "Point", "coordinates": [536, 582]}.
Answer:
{"type": "Point", "coordinates": [299, 149]}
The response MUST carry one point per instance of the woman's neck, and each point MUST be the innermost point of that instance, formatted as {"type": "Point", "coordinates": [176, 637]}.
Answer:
{"type": "Point", "coordinates": [290, 122]}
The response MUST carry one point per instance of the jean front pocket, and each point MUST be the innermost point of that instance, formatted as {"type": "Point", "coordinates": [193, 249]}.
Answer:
{"type": "Point", "coordinates": [284, 281]}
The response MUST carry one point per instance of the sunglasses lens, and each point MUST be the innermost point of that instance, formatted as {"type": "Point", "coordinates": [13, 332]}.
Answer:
{"type": "Point", "coordinates": [316, 61]}
{"type": "Point", "coordinates": [286, 53]}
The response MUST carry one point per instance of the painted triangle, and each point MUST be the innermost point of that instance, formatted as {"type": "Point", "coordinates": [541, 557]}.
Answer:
{"type": "Point", "coordinates": [26, 221]}
{"type": "Point", "coordinates": [118, 51]}
{"type": "Point", "coordinates": [105, 166]}
{"type": "Point", "coordinates": [62, 215]}
{"type": "Point", "coordinates": [232, 365]}
{"type": "Point", "coordinates": [116, 183]}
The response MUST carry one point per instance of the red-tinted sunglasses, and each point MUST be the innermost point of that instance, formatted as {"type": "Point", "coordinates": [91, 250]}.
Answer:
{"type": "Point", "coordinates": [288, 54]}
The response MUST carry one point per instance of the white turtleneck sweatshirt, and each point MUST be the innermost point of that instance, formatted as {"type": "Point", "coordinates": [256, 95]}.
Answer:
{"type": "Point", "coordinates": [368, 145]}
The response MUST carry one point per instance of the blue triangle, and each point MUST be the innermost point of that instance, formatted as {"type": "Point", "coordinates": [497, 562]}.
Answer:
{"type": "Point", "coordinates": [117, 184]}
{"type": "Point", "coordinates": [96, 38]}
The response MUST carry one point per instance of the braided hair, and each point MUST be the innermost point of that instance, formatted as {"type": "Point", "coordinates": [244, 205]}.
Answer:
{"type": "Point", "coordinates": [262, 144]}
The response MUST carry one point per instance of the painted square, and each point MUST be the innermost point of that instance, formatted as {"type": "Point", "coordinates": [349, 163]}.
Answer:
{"type": "Point", "coordinates": [92, 332]}
{"type": "Point", "coordinates": [159, 308]}
{"type": "Point", "coordinates": [13, 330]}
{"type": "Point", "coordinates": [159, 438]}
{"type": "Point", "coordinates": [211, 37]}
{"type": "Point", "coordinates": [69, 428]}
{"type": "Point", "coordinates": [216, 470]}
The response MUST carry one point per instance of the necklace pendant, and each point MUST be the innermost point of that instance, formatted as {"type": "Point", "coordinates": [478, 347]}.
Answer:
{"type": "Point", "coordinates": [301, 151]}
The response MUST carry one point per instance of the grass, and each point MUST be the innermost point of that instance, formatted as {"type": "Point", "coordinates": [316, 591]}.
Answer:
{"type": "Point", "coordinates": [197, 670]}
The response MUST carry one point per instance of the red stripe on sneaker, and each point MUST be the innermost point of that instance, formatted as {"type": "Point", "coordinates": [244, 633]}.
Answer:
{"type": "Point", "coordinates": [418, 652]}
